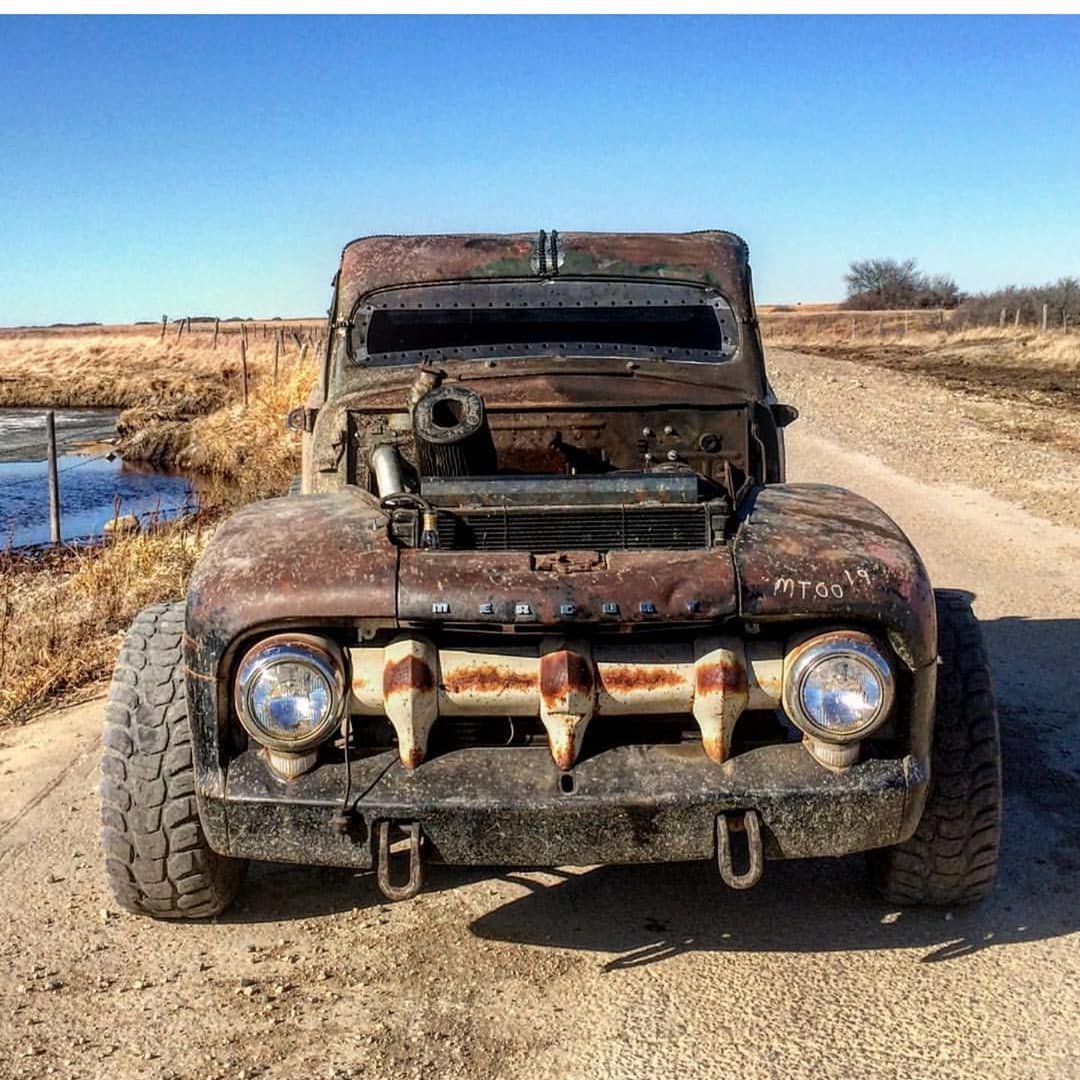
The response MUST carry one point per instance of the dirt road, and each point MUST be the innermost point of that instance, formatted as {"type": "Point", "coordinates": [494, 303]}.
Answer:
{"type": "Point", "coordinates": [612, 973]}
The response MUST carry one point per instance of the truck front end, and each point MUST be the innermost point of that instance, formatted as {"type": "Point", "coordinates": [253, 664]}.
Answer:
{"type": "Point", "coordinates": [545, 599]}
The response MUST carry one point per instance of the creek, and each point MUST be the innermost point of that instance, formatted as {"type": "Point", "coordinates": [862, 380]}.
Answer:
{"type": "Point", "coordinates": [93, 480]}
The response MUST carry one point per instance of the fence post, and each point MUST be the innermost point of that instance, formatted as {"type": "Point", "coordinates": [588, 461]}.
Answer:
{"type": "Point", "coordinates": [1016, 321]}
{"type": "Point", "coordinates": [1001, 320]}
{"type": "Point", "coordinates": [277, 353]}
{"type": "Point", "coordinates": [54, 479]}
{"type": "Point", "coordinates": [164, 320]}
{"type": "Point", "coordinates": [1045, 306]}
{"type": "Point", "coordinates": [244, 368]}
{"type": "Point", "coordinates": [217, 327]}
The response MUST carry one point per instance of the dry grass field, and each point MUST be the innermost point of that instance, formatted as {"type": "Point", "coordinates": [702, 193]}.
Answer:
{"type": "Point", "coordinates": [186, 371]}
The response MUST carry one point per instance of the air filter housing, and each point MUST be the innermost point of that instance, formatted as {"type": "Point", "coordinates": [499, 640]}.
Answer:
{"type": "Point", "coordinates": [451, 434]}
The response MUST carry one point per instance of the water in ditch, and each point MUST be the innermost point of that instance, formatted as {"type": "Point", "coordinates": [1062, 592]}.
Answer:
{"type": "Point", "coordinates": [93, 481]}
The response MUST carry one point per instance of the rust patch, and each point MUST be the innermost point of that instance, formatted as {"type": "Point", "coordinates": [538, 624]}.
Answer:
{"type": "Point", "coordinates": [408, 673]}
{"type": "Point", "coordinates": [487, 679]}
{"type": "Point", "coordinates": [375, 261]}
{"type": "Point", "coordinates": [412, 758]}
{"type": "Point", "coordinates": [637, 678]}
{"type": "Point", "coordinates": [568, 562]}
{"type": "Point", "coordinates": [563, 673]}
{"type": "Point", "coordinates": [562, 732]}
{"type": "Point", "coordinates": [724, 677]}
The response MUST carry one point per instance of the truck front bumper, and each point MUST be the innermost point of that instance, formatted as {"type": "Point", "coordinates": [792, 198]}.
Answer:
{"type": "Point", "coordinates": [512, 806]}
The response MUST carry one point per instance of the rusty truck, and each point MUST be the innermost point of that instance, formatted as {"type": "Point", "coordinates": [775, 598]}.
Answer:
{"type": "Point", "coordinates": [545, 597]}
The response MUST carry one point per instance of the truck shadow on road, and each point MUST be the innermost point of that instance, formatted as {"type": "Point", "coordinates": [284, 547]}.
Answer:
{"type": "Point", "coordinates": [650, 913]}
{"type": "Point", "coordinates": [644, 914]}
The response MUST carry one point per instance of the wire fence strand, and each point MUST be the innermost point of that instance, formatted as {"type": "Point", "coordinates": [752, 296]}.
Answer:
{"type": "Point", "coordinates": [43, 478]}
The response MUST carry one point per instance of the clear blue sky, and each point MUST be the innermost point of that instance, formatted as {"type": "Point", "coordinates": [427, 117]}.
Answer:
{"type": "Point", "coordinates": [217, 165]}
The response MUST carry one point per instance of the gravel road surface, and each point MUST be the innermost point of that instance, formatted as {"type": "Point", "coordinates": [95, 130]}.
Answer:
{"type": "Point", "coordinates": [611, 972]}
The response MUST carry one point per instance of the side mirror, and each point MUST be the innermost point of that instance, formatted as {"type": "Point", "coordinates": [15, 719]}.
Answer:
{"type": "Point", "coordinates": [784, 414]}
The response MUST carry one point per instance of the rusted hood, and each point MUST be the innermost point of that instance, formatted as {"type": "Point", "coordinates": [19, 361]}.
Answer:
{"type": "Point", "coordinates": [817, 551]}
{"type": "Point", "coordinates": [712, 257]}
{"type": "Point", "coordinates": [289, 561]}
{"type": "Point", "coordinates": [801, 551]}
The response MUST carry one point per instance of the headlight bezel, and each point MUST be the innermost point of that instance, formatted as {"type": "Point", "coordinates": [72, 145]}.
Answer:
{"type": "Point", "coordinates": [803, 657]}
{"type": "Point", "coordinates": [323, 656]}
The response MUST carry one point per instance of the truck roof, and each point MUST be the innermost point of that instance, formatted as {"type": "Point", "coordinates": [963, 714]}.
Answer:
{"type": "Point", "coordinates": [710, 257]}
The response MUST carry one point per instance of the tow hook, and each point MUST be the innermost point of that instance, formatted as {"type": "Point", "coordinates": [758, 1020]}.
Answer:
{"type": "Point", "coordinates": [384, 839]}
{"type": "Point", "coordinates": [746, 827]}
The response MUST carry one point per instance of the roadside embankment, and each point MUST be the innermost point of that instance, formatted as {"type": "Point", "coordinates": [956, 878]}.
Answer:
{"type": "Point", "coordinates": [1011, 440]}
{"type": "Point", "coordinates": [166, 386]}
{"type": "Point", "coordinates": [1036, 373]}
{"type": "Point", "coordinates": [62, 613]}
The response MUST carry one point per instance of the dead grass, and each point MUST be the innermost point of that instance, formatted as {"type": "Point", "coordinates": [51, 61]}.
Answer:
{"type": "Point", "coordinates": [870, 333]}
{"type": "Point", "coordinates": [114, 371]}
{"type": "Point", "coordinates": [1036, 375]}
{"type": "Point", "coordinates": [132, 367]}
{"type": "Point", "coordinates": [61, 620]}
{"type": "Point", "coordinates": [250, 447]}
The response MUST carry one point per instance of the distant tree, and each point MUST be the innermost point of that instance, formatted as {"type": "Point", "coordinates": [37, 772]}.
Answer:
{"type": "Point", "coordinates": [879, 284]}
{"type": "Point", "coordinates": [938, 291]}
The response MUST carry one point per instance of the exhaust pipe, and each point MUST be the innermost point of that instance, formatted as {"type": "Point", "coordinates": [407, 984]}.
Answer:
{"type": "Point", "coordinates": [386, 465]}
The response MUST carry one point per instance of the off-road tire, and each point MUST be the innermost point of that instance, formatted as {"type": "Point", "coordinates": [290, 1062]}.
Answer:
{"type": "Point", "coordinates": [157, 859]}
{"type": "Point", "coordinates": [952, 857]}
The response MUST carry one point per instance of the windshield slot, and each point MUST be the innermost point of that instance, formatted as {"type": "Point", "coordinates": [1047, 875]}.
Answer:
{"type": "Point", "coordinates": [664, 328]}
{"type": "Point", "coordinates": [464, 320]}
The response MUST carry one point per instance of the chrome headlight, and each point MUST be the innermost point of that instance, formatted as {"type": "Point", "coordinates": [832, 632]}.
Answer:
{"type": "Point", "coordinates": [290, 691]}
{"type": "Point", "coordinates": [838, 686]}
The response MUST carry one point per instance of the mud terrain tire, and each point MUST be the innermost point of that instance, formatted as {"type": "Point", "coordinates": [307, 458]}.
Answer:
{"type": "Point", "coordinates": [952, 857]}
{"type": "Point", "coordinates": [157, 859]}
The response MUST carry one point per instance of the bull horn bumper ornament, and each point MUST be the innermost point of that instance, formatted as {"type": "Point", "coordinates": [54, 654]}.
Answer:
{"type": "Point", "coordinates": [567, 684]}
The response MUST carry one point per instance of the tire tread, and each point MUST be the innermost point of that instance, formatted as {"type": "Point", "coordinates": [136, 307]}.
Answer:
{"type": "Point", "coordinates": [158, 861]}
{"type": "Point", "coordinates": [951, 859]}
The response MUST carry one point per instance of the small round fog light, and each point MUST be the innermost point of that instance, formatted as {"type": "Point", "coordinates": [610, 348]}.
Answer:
{"type": "Point", "coordinates": [290, 691]}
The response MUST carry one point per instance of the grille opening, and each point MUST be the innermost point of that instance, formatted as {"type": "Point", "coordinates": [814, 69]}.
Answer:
{"type": "Point", "coordinates": [766, 727]}
{"type": "Point", "coordinates": [593, 528]}
{"type": "Point", "coordinates": [375, 734]}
